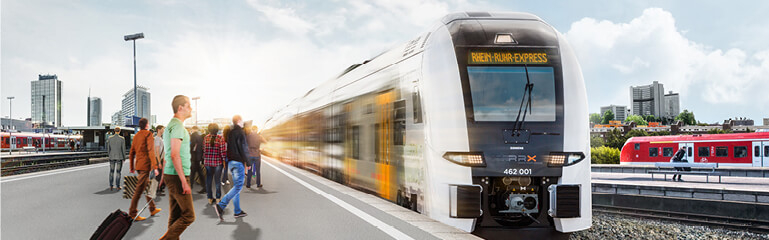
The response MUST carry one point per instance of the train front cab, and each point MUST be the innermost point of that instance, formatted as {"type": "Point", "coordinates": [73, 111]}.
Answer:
{"type": "Point", "coordinates": [491, 175]}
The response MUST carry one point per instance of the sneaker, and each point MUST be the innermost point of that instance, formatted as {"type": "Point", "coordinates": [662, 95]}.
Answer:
{"type": "Point", "coordinates": [139, 218]}
{"type": "Point", "coordinates": [157, 210]}
{"type": "Point", "coordinates": [241, 214]}
{"type": "Point", "coordinates": [259, 186]}
{"type": "Point", "coordinates": [219, 212]}
{"type": "Point", "coordinates": [202, 191]}
{"type": "Point", "coordinates": [111, 188]}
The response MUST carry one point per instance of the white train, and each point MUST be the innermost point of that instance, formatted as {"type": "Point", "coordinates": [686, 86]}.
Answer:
{"type": "Point", "coordinates": [479, 123]}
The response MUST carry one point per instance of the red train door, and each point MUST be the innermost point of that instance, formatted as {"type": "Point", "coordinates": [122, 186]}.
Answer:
{"type": "Point", "coordinates": [761, 154]}
{"type": "Point", "coordinates": [689, 156]}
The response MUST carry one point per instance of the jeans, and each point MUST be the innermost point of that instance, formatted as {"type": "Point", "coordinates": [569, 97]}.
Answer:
{"type": "Point", "coordinates": [115, 166]}
{"type": "Point", "coordinates": [255, 170]}
{"type": "Point", "coordinates": [214, 179]}
{"type": "Point", "coordinates": [238, 175]}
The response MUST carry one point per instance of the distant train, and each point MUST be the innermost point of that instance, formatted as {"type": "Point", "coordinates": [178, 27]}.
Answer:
{"type": "Point", "coordinates": [737, 149]}
{"type": "Point", "coordinates": [478, 123]}
{"type": "Point", "coordinates": [17, 141]}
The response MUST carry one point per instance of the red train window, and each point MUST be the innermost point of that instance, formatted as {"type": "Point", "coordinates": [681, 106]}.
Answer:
{"type": "Point", "coordinates": [722, 152]}
{"type": "Point", "coordinates": [667, 152]}
{"type": "Point", "coordinates": [703, 152]}
{"type": "Point", "coordinates": [637, 146]}
{"type": "Point", "coordinates": [653, 152]}
{"type": "Point", "coordinates": [740, 151]}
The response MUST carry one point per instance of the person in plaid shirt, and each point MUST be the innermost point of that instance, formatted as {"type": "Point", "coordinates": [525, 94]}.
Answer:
{"type": "Point", "coordinates": [214, 155]}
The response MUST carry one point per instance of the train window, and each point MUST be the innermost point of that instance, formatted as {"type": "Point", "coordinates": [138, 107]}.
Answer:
{"type": "Point", "coordinates": [703, 152]}
{"type": "Point", "coordinates": [5, 140]}
{"type": "Point", "coordinates": [376, 134]}
{"type": "Point", "coordinates": [722, 152]}
{"type": "Point", "coordinates": [653, 152]}
{"type": "Point", "coordinates": [690, 151]}
{"type": "Point", "coordinates": [355, 133]}
{"type": "Point", "coordinates": [416, 102]}
{"type": "Point", "coordinates": [637, 146]}
{"type": "Point", "coordinates": [399, 125]}
{"type": "Point", "coordinates": [740, 151]}
{"type": "Point", "coordinates": [497, 93]}
{"type": "Point", "coordinates": [756, 151]}
{"type": "Point", "coordinates": [766, 151]}
{"type": "Point", "coordinates": [667, 152]}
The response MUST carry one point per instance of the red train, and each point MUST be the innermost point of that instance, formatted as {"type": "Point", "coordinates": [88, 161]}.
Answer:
{"type": "Point", "coordinates": [737, 149]}
{"type": "Point", "coordinates": [21, 140]}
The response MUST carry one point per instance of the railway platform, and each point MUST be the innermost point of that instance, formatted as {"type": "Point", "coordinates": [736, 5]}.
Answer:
{"type": "Point", "coordinates": [293, 204]}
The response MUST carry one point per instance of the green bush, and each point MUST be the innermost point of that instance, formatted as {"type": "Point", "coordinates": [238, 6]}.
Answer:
{"type": "Point", "coordinates": [604, 155]}
{"type": "Point", "coordinates": [596, 142]}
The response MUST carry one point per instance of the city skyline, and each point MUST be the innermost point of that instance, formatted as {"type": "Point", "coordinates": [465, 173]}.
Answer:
{"type": "Point", "coordinates": [253, 57]}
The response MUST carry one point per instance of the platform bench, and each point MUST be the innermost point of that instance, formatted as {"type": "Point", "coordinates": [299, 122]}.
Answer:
{"type": "Point", "coordinates": [707, 169]}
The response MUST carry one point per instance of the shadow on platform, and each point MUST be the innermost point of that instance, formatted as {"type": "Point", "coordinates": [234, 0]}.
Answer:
{"type": "Point", "coordinates": [244, 230]}
{"type": "Point", "coordinates": [138, 228]}
{"type": "Point", "coordinates": [259, 191]}
{"type": "Point", "coordinates": [107, 191]}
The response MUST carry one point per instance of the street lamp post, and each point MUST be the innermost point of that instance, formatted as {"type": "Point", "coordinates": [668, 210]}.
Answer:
{"type": "Point", "coordinates": [134, 37]}
{"type": "Point", "coordinates": [196, 109]}
{"type": "Point", "coordinates": [10, 133]}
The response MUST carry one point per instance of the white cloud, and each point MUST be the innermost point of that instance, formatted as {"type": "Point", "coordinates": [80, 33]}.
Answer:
{"type": "Point", "coordinates": [651, 48]}
{"type": "Point", "coordinates": [284, 18]}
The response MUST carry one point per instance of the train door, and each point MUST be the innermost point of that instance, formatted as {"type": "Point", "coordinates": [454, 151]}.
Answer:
{"type": "Point", "coordinates": [384, 136]}
{"type": "Point", "coordinates": [758, 154]}
{"type": "Point", "coordinates": [13, 142]}
{"type": "Point", "coordinates": [29, 142]}
{"type": "Point", "coordinates": [689, 156]}
{"type": "Point", "coordinates": [766, 153]}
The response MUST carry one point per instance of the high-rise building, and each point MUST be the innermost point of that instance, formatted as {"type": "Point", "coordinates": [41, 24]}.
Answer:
{"type": "Point", "coordinates": [766, 121]}
{"type": "Point", "coordinates": [142, 93]}
{"type": "Point", "coordinates": [117, 119]}
{"type": "Point", "coordinates": [620, 112]}
{"type": "Point", "coordinates": [46, 100]}
{"type": "Point", "coordinates": [94, 111]}
{"type": "Point", "coordinates": [672, 104]}
{"type": "Point", "coordinates": [651, 100]}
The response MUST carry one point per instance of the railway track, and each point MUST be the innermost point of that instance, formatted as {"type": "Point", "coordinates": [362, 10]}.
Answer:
{"type": "Point", "coordinates": [13, 165]}
{"type": "Point", "coordinates": [753, 225]}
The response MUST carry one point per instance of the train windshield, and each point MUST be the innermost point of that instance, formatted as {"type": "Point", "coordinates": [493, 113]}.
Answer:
{"type": "Point", "coordinates": [497, 93]}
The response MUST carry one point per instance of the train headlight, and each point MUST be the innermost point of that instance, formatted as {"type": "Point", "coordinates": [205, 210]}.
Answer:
{"type": "Point", "coordinates": [470, 159]}
{"type": "Point", "coordinates": [564, 159]}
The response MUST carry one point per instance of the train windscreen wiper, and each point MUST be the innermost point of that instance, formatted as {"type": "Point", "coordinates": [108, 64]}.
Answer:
{"type": "Point", "coordinates": [518, 125]}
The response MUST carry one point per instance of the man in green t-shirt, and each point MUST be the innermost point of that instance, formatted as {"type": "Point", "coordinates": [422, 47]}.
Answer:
{"type": "Point", "coordinates": [176, 142]}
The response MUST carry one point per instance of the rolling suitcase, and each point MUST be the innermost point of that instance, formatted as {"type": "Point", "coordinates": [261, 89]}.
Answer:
{"type": "Point", "coordinates": [116, 225]}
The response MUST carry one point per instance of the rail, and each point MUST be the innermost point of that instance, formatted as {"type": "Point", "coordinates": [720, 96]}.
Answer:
{"type": "Point", "coordinates": [13, 165]}
{"type": "Point", "coordinates": [704, 219]}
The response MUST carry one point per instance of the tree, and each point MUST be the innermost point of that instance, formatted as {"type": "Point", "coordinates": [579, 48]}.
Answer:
{"type": "Point", "coordinates": [595, 118]}
{"type": "Point", "coordinates": [607, 116]}
{"type": "Point", "coordinates": [635, 133]}
{"type": "Point", "coordinates": [596, 142]}
{"type": "Point", "coordinates": [615, 139]}
{"type": "Point", "coordinates": [638, 120]}
{"type": "Point", "coordinates": [651, 118]}
{"type": "Point", "coordinates": [686, 117]}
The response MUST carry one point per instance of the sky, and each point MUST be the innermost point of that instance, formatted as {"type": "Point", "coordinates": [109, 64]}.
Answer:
{"type": "Point", "coordinates": [252, 57]}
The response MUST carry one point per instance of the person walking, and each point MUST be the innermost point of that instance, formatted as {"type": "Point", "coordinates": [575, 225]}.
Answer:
{"type": "Point", "coordinates": [254, 140]}
{"type": "Point", "coordinates": [225, 134]}
{"type": "Point", "coordinates": [116, 152]}
{"type": "Point", "coordinates": [196, 148]}
{"type": "Point", "coordinates": [237, 154]}
{"type": "Point", "coordinates": [679, 157]}
{"type": "Point", "coordinates": [160, 155]}
{"type": "Point", "coordinates": [215, 152]}
{"type": "Point", "coordinates": [176, 141]}
{"type": "Point", "coordinates": [142, 160]}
